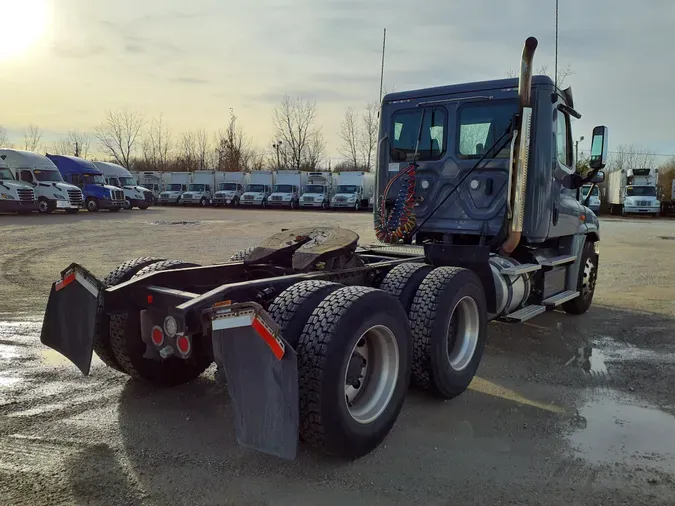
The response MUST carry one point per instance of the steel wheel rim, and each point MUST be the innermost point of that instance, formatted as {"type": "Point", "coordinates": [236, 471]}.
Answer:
{"type": "Point", "coordinates": [127, 204]}
{"type": "Point", "coordinates": [378, 376]}
{"type": "Point", "coordinates": [91, 205]}
{"type": "Point", "coordinates": [590, 276]}
{"type": "Point", "coordinates": [43, 206]}
{"type": "Point", "coordinates": [463, 331]}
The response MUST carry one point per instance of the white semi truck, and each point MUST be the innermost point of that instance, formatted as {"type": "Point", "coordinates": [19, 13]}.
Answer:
{"type": "Point", "coordinates": [633, 191]}
{"type": "Point", "coordinates": [177, 185]}
{"type": "Point", "coordinates": [318, 191]}
{"type": "Point", "coordinates": [229, 192]}
{"type": "Point", "coordinates": [200, 191]}
{"type": "Point", "coordinates": [51, 192]}
{"type": "Point", "coordinates": [354, 190]}
{"type": "Point", "coordinates": [15, 196]}
{"type": "Point", "coordinates": [287, 189]}
{"type": "Point", "coordinates": [134, 195]}
{"type": "Point", "coordinates": [258, 189]}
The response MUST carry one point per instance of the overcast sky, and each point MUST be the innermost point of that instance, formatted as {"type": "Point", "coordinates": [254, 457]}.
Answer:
{"type": "Point", "coordinates": [193, 60]}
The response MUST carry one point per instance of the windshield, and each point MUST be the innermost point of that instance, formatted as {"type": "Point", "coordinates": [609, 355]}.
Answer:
{"type": "Point", "coordinates": [406, 130]}
{"type": "Point", "coordinates": [641, 191]}
{"type": "Point", "coordinates": [196, 188]}
{"type": "Point", "coordinates": [283, 188]}
{"type": "Point", "coordinates": [314, 188]}
{"type": "Point", "coordinates": [93, 179]}
{"type": "Point", "coordinates": [113, 181]}
{"type": "Point", "coordinates": [6, 175]}
{"type": "Point", "coordinates": [127, 181]}
{"type": "Point", "coordinates": [481, 125]}
{"type": "Point", "coordinates": [174, 187]}
{"type": "Point", "coordinates": [47, 175]}
{"type": "Point", "coordinates": [347, 188]}
{"type": "Point", "coordinates": [585, 189]}
{"type": "Point", "coordinates": [257, 188]}
{"type": "Point", "coordinates": [228, 187]}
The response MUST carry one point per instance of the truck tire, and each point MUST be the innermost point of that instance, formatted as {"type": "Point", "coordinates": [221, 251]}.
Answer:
{"type": "Point", "coordinates": [241, 255]}
{"type": "Point", "coordinates": [292, 308]}
{"type": "Point", "coordinates": [92, 205]}
{"type": "Point", "coordinates": [448, 320]}
{"type": "Point", "coordinates": [203, 202]}
{"type": "Point", "coordinates": [588, 274]}
{"type": "Point", "coordinates": [44, 206]}
{"type": "Point", "coordinates": [121, 274]}
{"type": "Point", "coordinates": [129, 348]}
{"type": "Point", "coordinates": [404, 280]}
{"type": "Point", "coordinates": [350, 420]}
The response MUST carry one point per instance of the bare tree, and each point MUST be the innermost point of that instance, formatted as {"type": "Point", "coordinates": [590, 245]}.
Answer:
{"type": "Point", "coordinates": [563, 73]}
{"type": "Point", "coordinates": [118, 134]}
{"type": "Point", "coordinates": [157, 145]}
{"type": "Point", "coordinates": [232, 147]}
{"type": "Point", "coordinates": [4, 139]}
{"type": "Point", "coordinates": [203, 149]}
{"type": "Point", "coordinates": [350, 133]}
{"type": "Point", "coordinates": [75, 143]}
{"type": "Point", "coordinates": [368, 141]}
{"type": "Point", "coordinates": [257, 160]}
{"type": "Point", "coordinates": [188, 157]}
{"type": "Point", "coordinates": [32, 137]}
{"type": "Point", "coordinates": [293, 121]}
{"type": "Point", "coordinates": [315, 153]}
{"type": "Point", "coordinates": [632, 157]}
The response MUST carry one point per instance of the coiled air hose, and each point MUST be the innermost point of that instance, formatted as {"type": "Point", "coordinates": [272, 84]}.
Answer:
{"type": "Point", "coordinates": [396, 223]}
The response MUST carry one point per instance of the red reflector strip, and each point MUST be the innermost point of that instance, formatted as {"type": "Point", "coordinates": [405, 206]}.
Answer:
{"type": "Point", "coordinates": [65, 281]}
{"type": "Point", "coordinates": [275, 345]}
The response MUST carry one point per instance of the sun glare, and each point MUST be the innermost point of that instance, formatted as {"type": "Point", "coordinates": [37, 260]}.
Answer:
{"type": "Point", "coordinates": [23, 25]}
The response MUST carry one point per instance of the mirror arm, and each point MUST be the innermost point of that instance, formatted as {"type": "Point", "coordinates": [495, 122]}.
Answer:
{"type": "Point", "coordinates": [590, 192]}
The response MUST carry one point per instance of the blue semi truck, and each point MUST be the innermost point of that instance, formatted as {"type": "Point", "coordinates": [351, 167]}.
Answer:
{"type": "Point", "coordinates": [85, 175]}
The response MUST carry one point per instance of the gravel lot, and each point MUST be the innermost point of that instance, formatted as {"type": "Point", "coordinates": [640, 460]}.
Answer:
{"type": "Point", "coordinates": [565, 410]}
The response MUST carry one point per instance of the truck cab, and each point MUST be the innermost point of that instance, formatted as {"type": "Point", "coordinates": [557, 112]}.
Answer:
{"type": "Point", "coordinates": [640, 195]}
{"type": "Point", "coordinates": [15, 196]}
{"type": "Point", "coordinates": [228, 193]}
{"type": "Point", "coordinates": [200, 190]}
{"type": "Point", "coordinates": [347, 195]}
{"type": "Point", "coordinates": [256, 194]}
{"type": "Point", "coordinates": [286, 195]}
{"type": "Point", "coordinates": [50, 189]}
{"type": "Point", "coordinates": [118, 176]}
{"type": "Point", "coordinates": [317, 191]}
{"type": "Point", "coordinates": [86, 176]}
{"type": "Point", "coordinates": [593, 200]}
{"type": "Point", "coordinates": [173, 191]}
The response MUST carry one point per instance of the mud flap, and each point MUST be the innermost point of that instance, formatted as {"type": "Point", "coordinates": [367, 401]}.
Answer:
{"type": "Point", "coordinates": [69, 323]}
{"type": "Point", "coordinates": [262, 380]}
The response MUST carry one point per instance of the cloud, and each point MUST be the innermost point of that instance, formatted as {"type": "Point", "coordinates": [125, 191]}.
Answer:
{"type": "Point", "coordinates": [134, 48]}
{"type": "Point", "coordinates": [189, 80]}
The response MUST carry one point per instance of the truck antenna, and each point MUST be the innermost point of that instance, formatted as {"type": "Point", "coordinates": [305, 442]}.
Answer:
{"type": "Point", "coordinates": [384, 46]}
{"type": "Point", "coordinates": [556, 44]}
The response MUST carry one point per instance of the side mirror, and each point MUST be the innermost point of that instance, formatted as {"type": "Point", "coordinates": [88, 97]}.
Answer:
{"type": "Point", "coordinates": [598, 177]}
{"type": "Point", "coordinates": [599, 148]}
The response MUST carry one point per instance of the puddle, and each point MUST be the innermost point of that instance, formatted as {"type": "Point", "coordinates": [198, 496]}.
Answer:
{"type": "Point", "coordinates": [179, 223]}
{"type": "Point", "coordinates": [667, 237]}
{"type": "Point", "coordinates": [590, 360]}
{"type": "Point", "coordinates": [611, 431]}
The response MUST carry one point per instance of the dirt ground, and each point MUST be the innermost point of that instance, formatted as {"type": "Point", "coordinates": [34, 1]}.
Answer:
{"type": "Point", "coordinates": [564, 410]}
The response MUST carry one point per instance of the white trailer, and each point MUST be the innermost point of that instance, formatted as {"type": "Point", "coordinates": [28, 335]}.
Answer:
{"type": "Point", "coordinates": [258, 189]}
{"type": "Point", "coordinates": [48, 186]}
{"type": "Point", "coordinates": [152, 180]}
{"type": "Point", "coordinates": [177, 185]}
{"type": "Point", "coordinates": [230, 190]}
{"type": "Point", "coordinates": [318, 191]}
{"type": "Point", "coordinates": [354, 190]}
{"type": "Point", "coordinates": [287, 189]}
{"type": "Point", "coordinates": [633, 191]}
{"type": "Point", "coordinates": [200, 190]}
{"type": "Point", "coordinates": [134, 195]}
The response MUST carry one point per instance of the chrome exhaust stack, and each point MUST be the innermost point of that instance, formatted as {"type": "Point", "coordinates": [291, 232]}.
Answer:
{"type": "Point", "coordinates": [520, 151]}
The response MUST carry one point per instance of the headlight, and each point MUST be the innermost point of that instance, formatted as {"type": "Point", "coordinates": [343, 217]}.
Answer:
{"type": "Point", "coordinates": [58, 196]}
{"type": "Point", "coordinates": [7, 196]}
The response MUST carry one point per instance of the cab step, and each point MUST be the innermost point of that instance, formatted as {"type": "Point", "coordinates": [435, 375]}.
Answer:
{"type": "Point", "coordinates": [524, 314]}
{"type": "Point", "coordinates": [520, 269]}
{"type": "Point", "coordinates": [559, 298]}
{"type": "Point", "coordinates": [560, 260]}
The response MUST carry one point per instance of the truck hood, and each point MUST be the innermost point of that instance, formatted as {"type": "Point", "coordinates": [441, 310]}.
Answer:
{"type": "Point", "coordinates": [347, 195]}
{"type": "Point", "coordinates": [15, 185]}
{"type": "Point", "coordinates": [111, 188]}
{"type": "Point", "coordinates": [255, 194]}
{"type": "Point", "coordinates": [59, 186]}
{"type": "Point", "coordinates": [315, 195]}
{"type": "Point", "coordinates": [171, 193]}
{"type": "Point", "coordinates": [226, 193]}
{"type": "Point", "coordinates": [137, 188]}
{"type": "Point", "coordinates": [280, 194]}
{"type": "Point", "coordinates": [633, 201]}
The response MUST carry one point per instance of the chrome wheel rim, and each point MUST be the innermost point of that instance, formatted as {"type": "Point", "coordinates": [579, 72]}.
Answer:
{"type": "Point", "coordinates": [463, 331]}
{"type": "Point", "coordinates": [91, 205]}
{"type": "Point", "coordinates": [590, 276]}
{"type": "Point", "coordinates": [371, 374]}
{"type": "Point", "coordinates": [43, 206]}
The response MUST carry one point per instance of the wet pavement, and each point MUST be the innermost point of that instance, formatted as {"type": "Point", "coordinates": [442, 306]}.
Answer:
{"type": "Point", "coordinates": [565, 410]}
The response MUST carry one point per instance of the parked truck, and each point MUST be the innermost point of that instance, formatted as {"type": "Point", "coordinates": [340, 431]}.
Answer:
{"type": "Point", "coordinates": [152, 180]}
{"type": "Point", "coordinates": [287, 189]}
{"type": "Point", "coordinates": [354, 190]}
{"type": "Point", "coordinates": [86, 176]}
{"type": "Point", "coordinates": [134, 195]}
{"type": "Point", "coordinates": [15, 196]}
{"type": "Point", "coordinates": [258, 189]}
{"type": "Point", "coordinates": [50, 190]}
{"type": "Point", "coordinates": [229, 192]}
{"type": "Point", "coordinates": [318, 191]}
{"type": "Point", "coordinates": [592, 202]}
{"type": "Point", "coordinates": [633, 191]}
{"type": "Point", "coordinates": [200, 191]}
{"type": "Point", "coordinates": [317, 337]}
{"type": "Point", "coordinates": [176, 184]}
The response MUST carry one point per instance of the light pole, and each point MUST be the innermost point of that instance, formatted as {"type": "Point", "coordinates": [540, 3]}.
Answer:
{"type": "Point", "coordinates": [576, 150]}
{"type": "Point", "coordinates": [277, 146]}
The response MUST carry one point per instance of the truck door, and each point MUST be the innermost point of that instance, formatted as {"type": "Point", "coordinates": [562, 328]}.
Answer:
{"type": "Point", "coordinates": [26, 176]}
